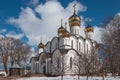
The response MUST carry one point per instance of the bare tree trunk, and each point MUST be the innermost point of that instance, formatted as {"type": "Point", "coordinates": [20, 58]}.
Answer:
{"type": "Point", "coordinates": [61, 77]}
{"type": "Point", "coordinates": [5, 67]}
{"type": "Point", "coordinates": [87, 77]}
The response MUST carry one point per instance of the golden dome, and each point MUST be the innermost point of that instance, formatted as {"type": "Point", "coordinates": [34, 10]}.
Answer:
{"type": "Point", "coordinates": [40, 45]}
{"type": "Point", "coordinates": [65, 34]}
{"type": "Point", "coordinates": [61, 29]}
{"type": "Point", "coordinates": [74, 20]}
{"type": "Point", "coordinates": [89, 29]}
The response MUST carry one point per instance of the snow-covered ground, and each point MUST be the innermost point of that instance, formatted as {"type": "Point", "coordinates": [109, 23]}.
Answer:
{"type": "Point", "coordinates": [70, 78]}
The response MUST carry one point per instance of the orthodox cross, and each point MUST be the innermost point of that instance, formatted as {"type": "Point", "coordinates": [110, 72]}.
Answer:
{"type": "Point", "coordinates": [74, 6]}
{"type": "Point", "coordinates": [88, 21]}
{"type": "Point", "coordinates": [61, 22]}
{"type": "Point", "coordinates": [66, 25]}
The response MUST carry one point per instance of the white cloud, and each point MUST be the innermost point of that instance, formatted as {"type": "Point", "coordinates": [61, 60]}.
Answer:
{"type": "Point", "coordinates": [11, 34]}
{"type": "Point", "coordinates": [14, 35]}
{"type": "Point", "coordinates": [33, 2]}
{"type": "Point", "coordinates": [46, 26]}
{"type": "Point", "coordinates": [98, 33]}
{"type": "Point", "coordinates": [45, 19]}
{"type": "Point", "coordinates": [3, 30]}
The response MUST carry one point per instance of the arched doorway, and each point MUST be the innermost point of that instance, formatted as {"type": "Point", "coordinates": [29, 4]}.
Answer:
{"type": "Point", "coordinates": [44, 70]}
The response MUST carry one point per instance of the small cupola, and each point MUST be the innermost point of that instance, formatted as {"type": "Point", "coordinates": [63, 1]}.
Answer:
{"type": "Point", "coordinates": [61, 29]}
{"type": "Point", "coordinates": [65, 33]}
{"type": "Point", "coordinates": [89, 28]}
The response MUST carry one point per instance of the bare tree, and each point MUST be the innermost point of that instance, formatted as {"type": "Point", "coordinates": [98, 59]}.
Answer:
{"type": "Point", "coordinates": [91, 62]}
{"type": "Point", "coordinates": [59, 65]}
{"type": "Point", "coordinates": [78, 65]}
{"type": "Point", "coordinates": [111, 41]}
{"type": "Point", "coordinates": [13, 49]}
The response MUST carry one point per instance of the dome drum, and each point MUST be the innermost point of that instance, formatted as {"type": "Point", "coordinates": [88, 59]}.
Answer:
{"type": "Point", "coordinates": [65, 34]}
{"type": "Point", "coordinates": [89, 29]}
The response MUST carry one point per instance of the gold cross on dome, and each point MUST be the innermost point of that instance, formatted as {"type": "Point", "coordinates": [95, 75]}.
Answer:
{"type": "Point", "coordinates": [66, 25]}
{"type": "Point", "coordinates": [88, 21]}
{"type": "Point", "coordinates": [74, 6]}
{"type": "Point", "coordinates": [61, 22]}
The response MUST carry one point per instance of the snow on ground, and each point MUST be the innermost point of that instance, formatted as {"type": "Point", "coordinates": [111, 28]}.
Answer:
{"type": "Point", "coordinates": [69, 78]}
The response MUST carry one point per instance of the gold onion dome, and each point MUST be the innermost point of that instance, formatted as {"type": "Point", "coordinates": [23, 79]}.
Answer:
{"type": "Point", "coordinates": [65, 33]}
{"type": "Point", "coordinates": [41, 45]}
{"type": "Point", "coordinates": [89, 28]}
{"type": "Point", "coordinates": [61, 29]}
{"type": "Point", "coordinates": [74, 20]}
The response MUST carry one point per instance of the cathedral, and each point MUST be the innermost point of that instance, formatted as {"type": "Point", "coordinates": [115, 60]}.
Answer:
{"type": "Point", "coordinates": [63, 53]}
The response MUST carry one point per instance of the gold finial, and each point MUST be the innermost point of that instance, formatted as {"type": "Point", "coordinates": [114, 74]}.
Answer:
{"type": "Point", "coordinates": [66, 25]}
{"type": "Point", "coordinates": [40, 39]}
{"type": "Point", "coordinates": [88, 21]}
{"type": "Point", "coordinates": [74, 6]}
{"type": "Point", "coordinates": [61, 22]}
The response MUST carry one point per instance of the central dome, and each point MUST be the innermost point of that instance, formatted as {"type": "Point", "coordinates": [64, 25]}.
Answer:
{"type": "Point", "coordinates": [74, 20]}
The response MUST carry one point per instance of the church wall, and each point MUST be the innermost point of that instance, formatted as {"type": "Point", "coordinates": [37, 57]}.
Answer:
{"type": "Point", "coordinates": [73, 42]}
{"type": "Point", "coordinates": [71, 63]}
{"type": "Point", "coordinates": [80, 45]}
{"type": "Point", "coordinates": [75, 30]}
{"type": "Point", "coordinates": [47, 48]}
{"type": "Point", "coordinates": [88, 46]}
{"type": "Point", "coordinates": [56, 59]}
{"type": "Point", "coordinates": [89, 35]}
{"type": "Point", "coordinates": [42, 60]}
{"type": "Point", "coordinates": [54, 44]}
{"type": "Point", "coordinates": [33, 66]}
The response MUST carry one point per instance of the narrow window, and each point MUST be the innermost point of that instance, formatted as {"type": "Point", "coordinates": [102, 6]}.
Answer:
{"type": "Point", "coordinates": [72, 43]}
{"type": "Point", "coordinates": [58, 63]}
{"type": "Point", "coordinates": [79, 47]}
{"type": "Point", "coordinates": [87, 48]}
{"type": "Point", "coordinates": [70, 62]}
{"type": "Point", "coordinates": [56, 45]}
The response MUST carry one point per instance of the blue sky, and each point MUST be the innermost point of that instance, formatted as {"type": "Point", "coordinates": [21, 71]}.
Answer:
{"type": "Point", "coordinates": [11, 24]}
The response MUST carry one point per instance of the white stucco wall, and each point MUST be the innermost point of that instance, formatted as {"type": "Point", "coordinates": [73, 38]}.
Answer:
{"type": "Point", "coordinates": [54, 44]}
{"type": "Point", "coordinates": [75, 30]}
{"type": "Point", "coordinates": [47, 47]}
{"type": "Point", "coordinates": [56, 55]}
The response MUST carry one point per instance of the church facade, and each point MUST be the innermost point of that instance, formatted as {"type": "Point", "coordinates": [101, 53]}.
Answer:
{"type": "Point", "coordinates": [63, 53]}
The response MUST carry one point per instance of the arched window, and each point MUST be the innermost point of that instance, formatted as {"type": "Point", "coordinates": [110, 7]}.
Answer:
{"type": "Point", "coordinates": [70, 62]}
{"type": "Point", "coordinates": [87, 48]}
{"type": "Point", "coordinates": [56, 46]}
{"type": "Point", "coordinates": [72, 43]}
{"type": "Point", "coordinates": [79, 47]}
{"type": "Point", "coordinates": [58, 62]}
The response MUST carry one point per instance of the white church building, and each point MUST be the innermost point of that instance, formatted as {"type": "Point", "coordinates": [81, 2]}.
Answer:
{"type": "Point", "coordinates": [62, 54]}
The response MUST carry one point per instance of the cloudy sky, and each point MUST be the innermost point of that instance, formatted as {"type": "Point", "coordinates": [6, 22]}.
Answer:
{"type": "Point", "coordinates": [28, 20]}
